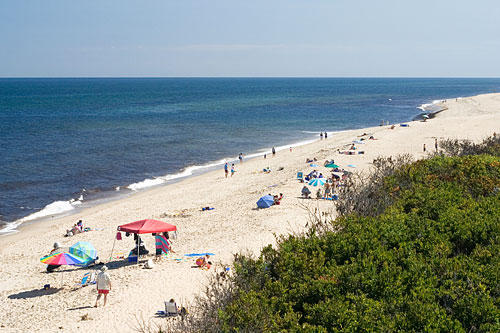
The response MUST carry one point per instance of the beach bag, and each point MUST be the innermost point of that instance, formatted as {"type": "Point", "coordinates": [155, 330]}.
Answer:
{"type": "Point", "coordinates": [118, 236]}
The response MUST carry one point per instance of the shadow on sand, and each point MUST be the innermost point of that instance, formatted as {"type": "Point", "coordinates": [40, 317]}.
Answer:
{"type": "Point", "coordinates": [34, 293]}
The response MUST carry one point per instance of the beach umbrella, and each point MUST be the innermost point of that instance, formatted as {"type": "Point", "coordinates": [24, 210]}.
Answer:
{"type": "Point", "coordinates": [61, 258]}
{"type": "Point", "coordinates": [317, 182]}
{"type": "Point", "coordinates": [84, 250]}
{"type": "Point", "coordinates": [266, 201]}
{"type": "Point", "coordinates": [331, 165]}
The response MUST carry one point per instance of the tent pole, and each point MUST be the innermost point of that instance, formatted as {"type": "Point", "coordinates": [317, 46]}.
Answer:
{"type": "Point", "coordinates": [138, 249]}
{"type": "Point", "coordinates": [112, 249]}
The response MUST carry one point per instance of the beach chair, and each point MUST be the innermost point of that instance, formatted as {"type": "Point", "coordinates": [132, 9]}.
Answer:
{"type": "Point", "coordinates": [300, 176]}
{"type": "Point", "coordinates": [171, 309]}
{"type": "Point", "coordinates": [87, 279]}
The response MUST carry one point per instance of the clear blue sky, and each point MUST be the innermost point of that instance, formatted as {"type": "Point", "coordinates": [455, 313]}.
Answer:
{"type": "Point", "coordinates": [438, 38]}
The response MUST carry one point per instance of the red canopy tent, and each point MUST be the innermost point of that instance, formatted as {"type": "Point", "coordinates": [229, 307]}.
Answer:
{"type": "Point", "coordinates": [147, 227]}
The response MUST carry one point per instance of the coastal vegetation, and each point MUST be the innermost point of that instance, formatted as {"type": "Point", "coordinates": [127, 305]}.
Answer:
{"type": "Point", "coordinates": [415, 247]}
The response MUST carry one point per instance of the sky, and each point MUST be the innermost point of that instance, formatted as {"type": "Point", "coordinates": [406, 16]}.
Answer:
{"type": "Point", "coordinates": [252, 38]}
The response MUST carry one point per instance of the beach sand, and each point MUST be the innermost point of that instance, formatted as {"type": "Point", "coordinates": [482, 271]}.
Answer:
{"type": "Point", "coordinates": [234, 225]}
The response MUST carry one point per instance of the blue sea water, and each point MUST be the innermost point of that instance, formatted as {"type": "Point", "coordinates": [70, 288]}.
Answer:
{"type": "Point", "coordinates": [79, 139]}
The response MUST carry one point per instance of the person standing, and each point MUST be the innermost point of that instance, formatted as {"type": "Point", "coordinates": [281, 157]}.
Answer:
{"type": "Point", "coordinates": [436, 144]}
{"type": "Point", "coordinates": [424, 148]}
{"type": "Point", "coordinates": [232, 170]}
{"type": "Point", "coordinates": [321, 136]}
{"type": "Point", "coordinates": [103, 283]}
{"type": "Point", "coordinates": [162, 245]}
{"type": "Point", "coordinates": [241, 157]}
{"type": "Point", "coordinates": [274, 151]}
{"type": "Point", "coordinates": [226, 171]}
{"type": "Point", "coordinates": [326, 135]}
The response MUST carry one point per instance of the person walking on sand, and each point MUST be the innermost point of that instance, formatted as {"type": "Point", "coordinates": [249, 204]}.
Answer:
{"type": "Point", "coordinates": [273, 151]}
{"type": "Point", "coordinates": [226, 171]}
{"type": "Point", "coordinates": [436, 144]}
{"type": "Point", "coordinates": [241, 157]}
{"type": "Point", "coordinates": [103, 283]}
{"type": "Point", "coordinates": [424, 148]}
{"type": "Point", "coordinates": [232, 170]}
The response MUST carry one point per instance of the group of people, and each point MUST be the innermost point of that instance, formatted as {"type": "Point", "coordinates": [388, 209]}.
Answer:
{"type": "Point", "coordinates": [327, 191]}
{"type": "Point", "coordinates": [76, 229]}
{"type": "Point", "coordinates": [321, 135]}
{"type": "Point", "coordinates": [313, 174]}
{"type": "Point", "coordinates": [226, 168]}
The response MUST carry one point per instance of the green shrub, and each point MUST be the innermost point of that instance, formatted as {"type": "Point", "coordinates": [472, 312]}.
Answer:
{"type": "Point", "coordinates": [428, 262]}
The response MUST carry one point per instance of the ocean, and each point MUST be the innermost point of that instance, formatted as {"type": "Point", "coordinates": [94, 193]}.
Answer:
{"type": "Point", "coordinates": [71, 143]}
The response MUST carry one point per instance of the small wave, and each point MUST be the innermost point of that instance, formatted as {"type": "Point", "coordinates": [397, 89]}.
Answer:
{"type": "Point", "coordinates": [431, 107]}
{"type": "Point", "coordinates": [145, 183]}
{"type": "Point", "coordinates": [188, 171]}
{"type": "Point", "coordinates": [57, 207]}
{"type": "Point", "coordinates": [9, 227]}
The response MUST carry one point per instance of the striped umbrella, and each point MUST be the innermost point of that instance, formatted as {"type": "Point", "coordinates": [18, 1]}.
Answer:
{"type": "Point", "coordinates": [61, 258]}
{"type": "Point", "coordinates": [317, 182]}
{"type": "Point", "coordinates": [83, 250]}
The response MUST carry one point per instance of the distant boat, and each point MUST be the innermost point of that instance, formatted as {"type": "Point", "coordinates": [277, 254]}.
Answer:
{"type": "Point", "coordinates": [390, 99]}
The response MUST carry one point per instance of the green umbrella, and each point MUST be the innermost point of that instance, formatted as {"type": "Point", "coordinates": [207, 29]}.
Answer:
{"type": "Point", "coordinates": [331, 165]}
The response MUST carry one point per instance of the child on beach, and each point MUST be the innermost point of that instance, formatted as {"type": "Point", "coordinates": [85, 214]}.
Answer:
{"type": "Point", "coordinates": [232, 170]}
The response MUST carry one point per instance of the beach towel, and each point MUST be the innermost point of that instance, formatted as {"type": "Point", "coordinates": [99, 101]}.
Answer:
{"type": "Point", "coordinates": [313, 165]}
{"type": "Point", "coordinates": [199, 254]}
{"type": "Point", "coordinates": [351, 165]}
{"type": "Point", "coordinates": [161, 242]}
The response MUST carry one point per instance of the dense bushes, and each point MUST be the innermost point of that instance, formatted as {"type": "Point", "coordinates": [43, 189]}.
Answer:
{"type": "Point", "coordinates": [430, 262]}
{"type": "Point", "coordinates": [424, 257]}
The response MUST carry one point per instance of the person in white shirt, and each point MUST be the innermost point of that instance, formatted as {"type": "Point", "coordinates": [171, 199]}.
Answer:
{"type": "Point", "coordinates": [103, 283]}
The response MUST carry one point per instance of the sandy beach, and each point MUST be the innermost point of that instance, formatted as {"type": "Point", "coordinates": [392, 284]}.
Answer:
{"type": "Point", "coordinates": [235, 225]}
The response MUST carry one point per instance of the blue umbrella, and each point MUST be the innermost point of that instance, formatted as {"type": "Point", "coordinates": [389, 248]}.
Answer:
{"type": "Point", "coordinates": [266, 201]}
{"type": "Point", "coordinates": [85, 251]}
{"type": "Point", "coordinates": [317, 182]}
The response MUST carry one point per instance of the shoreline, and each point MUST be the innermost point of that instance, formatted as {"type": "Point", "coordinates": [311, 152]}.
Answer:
{"type": "Point", "coordinates": [148, 184]}
{"type": "Point", "coordinates": [234, 226]}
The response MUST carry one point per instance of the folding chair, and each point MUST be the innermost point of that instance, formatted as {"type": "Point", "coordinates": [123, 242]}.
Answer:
{"type": "Point", "coordinates": [171, 309]}
{"type": "Point", "coordinates": [300, 176]}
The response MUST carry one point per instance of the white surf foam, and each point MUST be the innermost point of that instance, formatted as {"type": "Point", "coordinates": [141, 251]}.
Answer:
{"type": "Point", "coordinates": [57, 207]}
{"type": "Point", "coordinates": [145, 183]}
{"type": "Point", "coordinates": [10, 228]}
